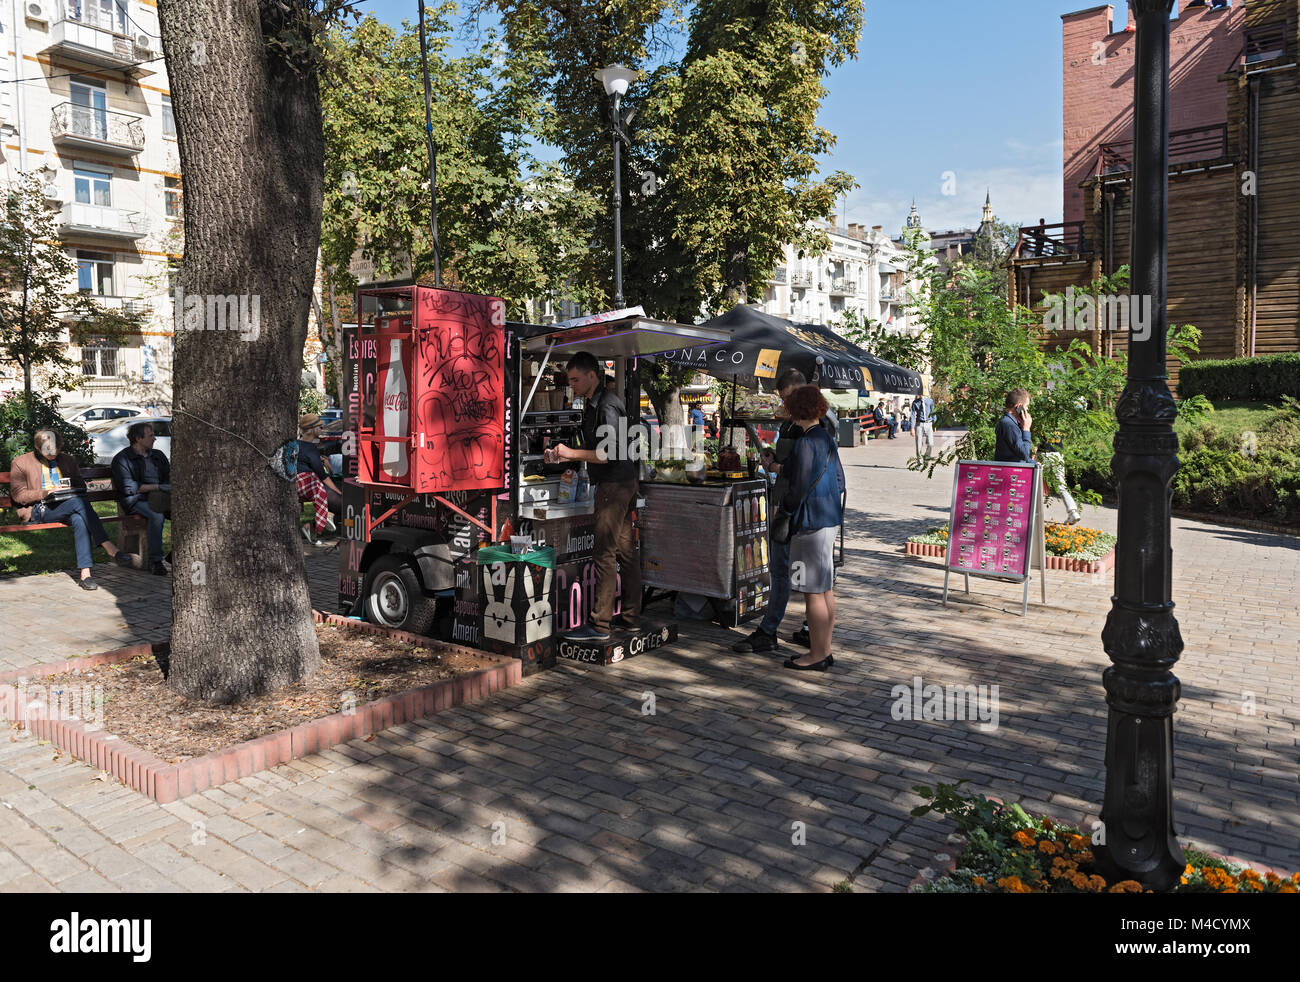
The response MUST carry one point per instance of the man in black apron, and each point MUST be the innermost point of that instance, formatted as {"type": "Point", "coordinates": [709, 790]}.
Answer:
{"type": "Point", "coordinates": [615, 478]}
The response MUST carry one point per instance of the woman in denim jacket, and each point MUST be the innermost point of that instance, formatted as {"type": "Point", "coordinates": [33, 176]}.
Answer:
{"type": "Point", "coordinates": [815, 499]}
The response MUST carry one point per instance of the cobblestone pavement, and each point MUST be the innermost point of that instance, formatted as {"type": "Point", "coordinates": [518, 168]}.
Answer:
{"type": "Point", "coordinates": [563, 784]}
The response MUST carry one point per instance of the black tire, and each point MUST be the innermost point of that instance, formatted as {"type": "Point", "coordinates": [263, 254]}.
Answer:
{"type": "Point", "coordinates": [393, 597]}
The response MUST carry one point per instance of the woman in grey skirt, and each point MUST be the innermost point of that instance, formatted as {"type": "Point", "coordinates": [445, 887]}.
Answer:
{"type": "Point", "coordinates": [815, 502]}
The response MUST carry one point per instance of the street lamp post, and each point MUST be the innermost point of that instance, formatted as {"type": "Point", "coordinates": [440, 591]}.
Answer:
{"type": "Point", "coordinates": [616, 78]}
{"type": "Point", "coordinates": [1141, 635]}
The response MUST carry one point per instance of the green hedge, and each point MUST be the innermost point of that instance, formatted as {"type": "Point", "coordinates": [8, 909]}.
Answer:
{"type": "Point", "coordinates": [1264, 378]}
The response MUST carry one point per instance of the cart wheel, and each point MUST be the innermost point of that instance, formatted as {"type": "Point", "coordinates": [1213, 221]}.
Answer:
{"type": "Point", "coordinates": [394, 597]}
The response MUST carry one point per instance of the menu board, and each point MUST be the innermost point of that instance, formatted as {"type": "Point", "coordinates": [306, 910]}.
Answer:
{"type": "Point", "coordinates": [753, 578]}
{"type": "Point", "coordinates": [992, 522]}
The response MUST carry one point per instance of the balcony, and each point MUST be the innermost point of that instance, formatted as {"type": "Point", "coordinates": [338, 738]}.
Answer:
{"type": "Point", "coordinates": [1044, 241]}
{"type": "Point", "coordinates": [801, 279]}
{"type": "Point", "coordinates": [841, 286]}
{"type": "Point", "coordinates": [86, 128]}
{"type": "Point", "coordinates": [778, 275]}
{"type": "Point", "coordinates": [95, 37]}
{"type": "Point", "coordinates": [103, 222]}
{"type": "Point", "coordinates": [1204, 143]}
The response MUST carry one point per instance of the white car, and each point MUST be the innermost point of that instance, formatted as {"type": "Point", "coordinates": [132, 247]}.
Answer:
{"type": "Point", "coordinates": [85, 415]}
{"type": "Point", "coordinates": [109, 436]}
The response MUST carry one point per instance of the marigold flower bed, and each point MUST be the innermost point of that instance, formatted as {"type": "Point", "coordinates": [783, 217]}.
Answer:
{"type": "Point", "coordinates": [1069, 547]}
{"type": "Point", "coordinates": [1006, 850]}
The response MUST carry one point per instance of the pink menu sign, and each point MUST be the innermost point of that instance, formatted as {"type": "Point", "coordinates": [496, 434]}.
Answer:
{"type": "Point", "coordinates": [992, 519]}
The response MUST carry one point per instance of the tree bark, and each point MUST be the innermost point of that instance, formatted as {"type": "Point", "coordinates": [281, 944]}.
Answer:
{"type": "Point", "coordinates": [737, 273]}
{"type": "Point", "coordinates": [251, 148]}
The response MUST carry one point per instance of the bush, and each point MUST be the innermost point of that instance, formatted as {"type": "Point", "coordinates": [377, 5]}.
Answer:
{"type": "Point", "coordinates": [1221, 472]}
{"type": "Point", "coordinates": [1262, 378]}
{"type": "Point", "coordinates": [16, 432]}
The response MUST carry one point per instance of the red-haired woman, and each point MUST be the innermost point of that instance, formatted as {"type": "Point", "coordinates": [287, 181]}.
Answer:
{"type": "Point", "coordinates": [815, 500]}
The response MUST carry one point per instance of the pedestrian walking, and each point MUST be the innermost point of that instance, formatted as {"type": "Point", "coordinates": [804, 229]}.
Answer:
{"type": "Point", "coordinates": [922, 413]}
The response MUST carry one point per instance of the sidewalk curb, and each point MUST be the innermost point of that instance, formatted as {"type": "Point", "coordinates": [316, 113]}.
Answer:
{"type": "Point", "coordinates": [165, 783]}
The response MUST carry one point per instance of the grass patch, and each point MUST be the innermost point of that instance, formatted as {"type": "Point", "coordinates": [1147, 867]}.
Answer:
{"type": "Point", "coordinates": [52, 550]}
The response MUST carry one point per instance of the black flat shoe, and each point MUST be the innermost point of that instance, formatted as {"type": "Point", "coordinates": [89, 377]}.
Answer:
{"type": "Point", "coordinates": [89, 583]}
{"type": "Point", "coordinates": [817, 666]}
{"type": "Point", "coordinates": [801, 637]}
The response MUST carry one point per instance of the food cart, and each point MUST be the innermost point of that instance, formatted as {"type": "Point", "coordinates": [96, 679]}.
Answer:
{"type": "Point", "coordinates": [451, 407]}
{"type": "Point", "coordinates": [680, 524]}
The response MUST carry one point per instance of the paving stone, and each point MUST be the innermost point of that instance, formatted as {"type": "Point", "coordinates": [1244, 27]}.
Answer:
{"type": "Point", "coordinates": [702, 795]}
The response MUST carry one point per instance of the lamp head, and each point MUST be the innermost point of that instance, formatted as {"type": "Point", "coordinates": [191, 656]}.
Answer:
{"type": "Point", "coordinates": [616, 78]}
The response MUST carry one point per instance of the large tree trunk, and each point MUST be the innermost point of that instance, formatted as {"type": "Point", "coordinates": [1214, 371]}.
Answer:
{"type": "Point", "coordinates": [249, 128]}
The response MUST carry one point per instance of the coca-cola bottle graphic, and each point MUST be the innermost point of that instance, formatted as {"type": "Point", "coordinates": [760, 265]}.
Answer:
{"type": "Point", "coordinates": [395, 412]}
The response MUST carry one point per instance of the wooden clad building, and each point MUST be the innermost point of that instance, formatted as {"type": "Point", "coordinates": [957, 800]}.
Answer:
{"type": "Point", "coordinates": [1234, 191]}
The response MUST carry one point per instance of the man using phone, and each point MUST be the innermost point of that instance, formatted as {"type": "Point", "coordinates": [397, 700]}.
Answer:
{"type": "Point", "coordinates": [1014, 443]}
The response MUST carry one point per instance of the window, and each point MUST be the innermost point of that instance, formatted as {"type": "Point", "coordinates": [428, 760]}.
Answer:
{"type": "Point", "coordinates": [92, 187]}
{"type": "Point", "coordinates": [107, 15]}
{"type": "Point", "coordinates": [172, 191]}
{"type": "Point", "coordinates": [99, 362]}
{"type": "Point", "coordinates": [89, 107]}
{"type": "Point", "coordinates": [95, 273]}
{"type": "Point", "coordinates": [168, 118]}
{"type": "Point", "coordinates": [1263, 43]}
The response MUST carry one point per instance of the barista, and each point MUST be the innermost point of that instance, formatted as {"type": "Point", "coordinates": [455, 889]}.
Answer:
{"type": "Point", "coordinates": [615, 477]}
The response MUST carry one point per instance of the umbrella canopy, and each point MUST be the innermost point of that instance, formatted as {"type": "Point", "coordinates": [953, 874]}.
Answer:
{"type": "Point", "coordinates": [763, 346]}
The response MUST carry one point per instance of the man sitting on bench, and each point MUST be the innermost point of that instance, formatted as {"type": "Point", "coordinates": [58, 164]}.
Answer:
{"type": "Point", "coordinates": [46, 486]}
{"type": "Point", "coordinates": [142, 479]}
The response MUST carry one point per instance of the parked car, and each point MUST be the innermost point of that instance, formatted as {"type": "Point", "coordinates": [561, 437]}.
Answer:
{"type": "Point", "coordinates": [109, 436]}
{"type": "Point", "coordinates": [84, 415]}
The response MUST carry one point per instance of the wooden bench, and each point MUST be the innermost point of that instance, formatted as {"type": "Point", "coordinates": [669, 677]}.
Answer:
{"type": "Point", "coordinates": [99, 487]}
{"type": "Point", "coordinates": [869, 427]}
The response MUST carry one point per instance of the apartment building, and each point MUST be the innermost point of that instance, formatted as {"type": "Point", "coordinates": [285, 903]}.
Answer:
{"type": "Point", "coordinates": [864, 270]}
{"type": "Point", "coordinates": [84, 104]}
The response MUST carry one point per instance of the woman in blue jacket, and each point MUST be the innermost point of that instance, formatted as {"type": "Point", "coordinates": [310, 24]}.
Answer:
{"type": "Point", "coordinates": [815, 499]}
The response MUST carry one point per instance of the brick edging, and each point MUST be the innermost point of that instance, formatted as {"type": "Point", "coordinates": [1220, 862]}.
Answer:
{"type": "Point", "coordinates": [164, 782]}
{"type": "Point", "coordinates": [1053, 562]}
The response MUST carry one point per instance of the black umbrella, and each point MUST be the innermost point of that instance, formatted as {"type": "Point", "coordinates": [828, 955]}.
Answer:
{"type": "Point", "coordinates": [763, 346]}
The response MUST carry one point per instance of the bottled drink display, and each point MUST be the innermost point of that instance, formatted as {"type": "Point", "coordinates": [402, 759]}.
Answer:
{"type": "Point", "coordinates": [395, 417]}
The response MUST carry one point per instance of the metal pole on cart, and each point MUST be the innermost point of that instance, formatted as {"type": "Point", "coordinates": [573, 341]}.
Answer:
{"type": "Point", "coordinates": [433, 151]}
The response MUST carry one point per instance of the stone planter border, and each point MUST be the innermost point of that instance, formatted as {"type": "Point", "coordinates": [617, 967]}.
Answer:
{"type": "Point", "coordinates": [1068, 565]}
{"type": "Point", "coordinates": [165, 782]}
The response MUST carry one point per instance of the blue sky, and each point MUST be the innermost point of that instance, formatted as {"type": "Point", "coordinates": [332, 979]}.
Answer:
{"type": "Point", "coordinates": [971, 87]}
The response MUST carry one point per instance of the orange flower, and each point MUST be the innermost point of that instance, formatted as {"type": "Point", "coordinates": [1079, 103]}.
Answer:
{"type": "Point", "coordinates": [978, 881]}
{"type": "Point", "coordinates": [1124, 886]}
{"type": "Point", "coordinates": [1048, 848]}
{"type": "Point", "coordinates": [1099, 884]}
{"type": "Point", "coordinates": [1024, 838]}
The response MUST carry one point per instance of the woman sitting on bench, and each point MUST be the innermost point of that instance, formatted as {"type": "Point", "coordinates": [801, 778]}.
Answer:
{"type": "Point", "coordinates": [46, 486]}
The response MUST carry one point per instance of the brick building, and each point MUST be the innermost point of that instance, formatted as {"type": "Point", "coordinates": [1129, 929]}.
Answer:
{"type": "Point", "coordinates": [1234, 171]}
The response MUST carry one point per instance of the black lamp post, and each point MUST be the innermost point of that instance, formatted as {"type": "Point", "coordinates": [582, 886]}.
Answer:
{"type": "Point", "coordinates": [616, 79]}
{"type": "Point", "coordinates": [1141, 636]}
